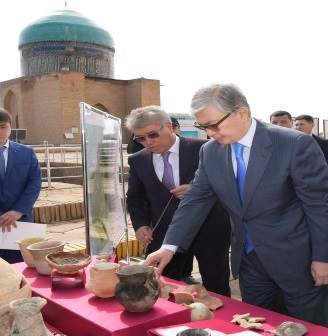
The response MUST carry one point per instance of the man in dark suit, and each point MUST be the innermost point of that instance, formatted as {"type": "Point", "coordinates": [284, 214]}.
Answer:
{"type": "Point", "coordinates": [152, 200]}
{"type": "Point", "coordinates": [281, 118]}
{"type": "Point", "coordinates": [305, 123]}
{"type": "Point", "coordinates": [20, 183]}
{"type": "Point", "coordinates": [274, 183]}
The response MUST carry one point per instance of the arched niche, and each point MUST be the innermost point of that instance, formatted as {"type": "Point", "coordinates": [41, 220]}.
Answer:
{"type": "Point", "coordinates": [101, 107]}
{"type": "Point", "coordinates": [11, 105]}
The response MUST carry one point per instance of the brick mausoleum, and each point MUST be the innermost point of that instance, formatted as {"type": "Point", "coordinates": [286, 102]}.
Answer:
{"type": "Point", "coordinates": [65, 59]}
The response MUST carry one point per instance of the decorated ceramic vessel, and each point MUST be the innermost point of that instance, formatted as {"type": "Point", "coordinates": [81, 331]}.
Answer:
{"type": "Point", "coordinates": [103, 279]}
{"type": "Point", "coordinates": [138, 289]}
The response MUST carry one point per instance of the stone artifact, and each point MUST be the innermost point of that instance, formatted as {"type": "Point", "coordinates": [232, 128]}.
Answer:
{"type": "Point", "coordinates": [138, 289]}
{"type": "Point", "coordinates": [68, 262]}
{"type": "Point", "coordinates": [166, 290]}
{"type": "Point", "coordinates": [290, 329]}
{"type": "Point", "coordinates": [13, 285]}
{"type": "Point", "coordinates": [197, 293]}
{"type": "Point", "coordinates": [247, 321]}
{"type": "Point", "coordinates": [199, 312]}
{"type": "Point", "coordinates": [28, 320]}
{"type": "Point", "coordinates": [103, 279]}
{"type": "Point", "coordinates": [40, 250]}
{"type": "Point", "coordinates": [26, 254]}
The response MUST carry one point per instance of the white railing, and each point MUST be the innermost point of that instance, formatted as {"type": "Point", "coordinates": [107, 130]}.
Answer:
{"type": "Point", "coordinates": [66, 154]}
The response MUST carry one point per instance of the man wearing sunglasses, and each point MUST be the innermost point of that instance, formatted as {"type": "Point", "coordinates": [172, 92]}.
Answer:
{"type": "Point", "coordinates": [159, 177]}
{"type": "Point", "coordinates": [273, 181]}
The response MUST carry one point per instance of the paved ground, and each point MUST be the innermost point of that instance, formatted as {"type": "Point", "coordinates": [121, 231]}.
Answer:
{"type": "Point", "coordinates": [74, 232]}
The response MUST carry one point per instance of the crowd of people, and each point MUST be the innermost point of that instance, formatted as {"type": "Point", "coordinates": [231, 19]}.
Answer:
{"type": "Point", "coordinates": [257, 189]}
{"type": "Point", "coordinates": [271, 184]}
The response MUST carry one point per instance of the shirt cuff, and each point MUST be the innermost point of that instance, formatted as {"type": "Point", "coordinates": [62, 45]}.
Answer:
{"type": "Point", "coordinates": [171, 248]}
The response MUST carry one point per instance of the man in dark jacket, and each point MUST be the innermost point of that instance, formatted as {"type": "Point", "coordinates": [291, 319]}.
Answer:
{"type": "Point", "coordinates": [305, 124]}
{"type": "Point", "coordinates": [159, 177]}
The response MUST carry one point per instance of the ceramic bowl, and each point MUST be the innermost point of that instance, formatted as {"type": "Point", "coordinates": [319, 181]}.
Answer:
{"type": "Point", "coordinates": [27, 256]}
{"type": "Point", "coordinates": [68, 262]}
{"type": "Point", "coordinates": [40, 250]}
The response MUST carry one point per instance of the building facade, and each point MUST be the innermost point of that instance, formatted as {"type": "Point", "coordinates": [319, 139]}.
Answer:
{"type": "Point", "coordinates": [67, 59]}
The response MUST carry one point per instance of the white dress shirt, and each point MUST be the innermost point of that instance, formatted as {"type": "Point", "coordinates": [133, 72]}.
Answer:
{"type": "Point", "coordinates": [247, 141]}
{"type": "Point", "coordinates": [173, 160]}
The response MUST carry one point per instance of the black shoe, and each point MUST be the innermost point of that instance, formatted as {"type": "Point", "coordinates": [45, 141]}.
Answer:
{"type": "Point", "coordinates": [189, 280]}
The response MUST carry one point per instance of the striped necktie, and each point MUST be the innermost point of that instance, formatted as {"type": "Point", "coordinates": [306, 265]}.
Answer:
{"type": "Point", "coordinates": [168, 179]}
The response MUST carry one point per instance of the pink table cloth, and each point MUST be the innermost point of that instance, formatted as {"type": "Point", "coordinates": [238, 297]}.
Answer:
{"type": "Point", "coordinates": [224, 315]}
{"type": "Point", "coordinates": [77, 312]}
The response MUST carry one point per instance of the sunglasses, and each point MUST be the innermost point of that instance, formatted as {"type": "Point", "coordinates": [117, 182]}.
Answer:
{"type": "Point", "coordinates": [150, 135]}
{"type": "Point", "coordinates": [214, 126]}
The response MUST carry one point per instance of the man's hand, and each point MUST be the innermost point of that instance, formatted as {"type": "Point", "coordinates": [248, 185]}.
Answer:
{"type": "Point", "coordinates": [8, 220]}
{"type": "Point", "coordinates": [179, 191]}
{"type": "Point", "coordinates": [159, 259]}
{"type": "Point", "coordinates": [319, 272]}
{"type": "Point", "coordinates": [145, 235]}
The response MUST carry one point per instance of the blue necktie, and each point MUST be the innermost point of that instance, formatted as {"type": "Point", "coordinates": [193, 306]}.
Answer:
{"type": "Point", "coordinates": [168, 179]}
{"type": "Point", "coordinates": [241, 174]}
{"type": "Point", "coordinates": [2, 163]}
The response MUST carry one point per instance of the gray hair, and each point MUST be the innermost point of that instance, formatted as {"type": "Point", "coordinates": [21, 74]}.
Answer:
{"type": "Point", "coordinates": [144, 116]}
{"type": "Point", "coordinates": [226, 98]}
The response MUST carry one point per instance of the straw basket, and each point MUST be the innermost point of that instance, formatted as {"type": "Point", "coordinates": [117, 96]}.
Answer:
{"type": "Point", "coordinates": [68, 262]}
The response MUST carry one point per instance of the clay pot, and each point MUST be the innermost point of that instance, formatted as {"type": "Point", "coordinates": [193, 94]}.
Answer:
{"type": "Point", "coordinates": [103, 279]}
{"type": "Point", "coordinates": [27, 317]}
{"type": "Point", "coordinates": [194, 332]}
{"type": "Point", "coordinates": [40, 250]}
{"type": "Point", "coordinates": [27, 256]}
{"type": "Point", "coordinates": [138, 289]}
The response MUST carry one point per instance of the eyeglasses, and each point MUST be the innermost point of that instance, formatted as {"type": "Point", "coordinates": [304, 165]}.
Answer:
{"type": "Point", "coordinates": [150, 135]}
{"type": "Point", "coordinates": [214, 126]}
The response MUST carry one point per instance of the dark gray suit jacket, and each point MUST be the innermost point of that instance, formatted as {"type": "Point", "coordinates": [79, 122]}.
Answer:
{"type": "Point", "coordinates": [323, 144]}
{"type": "Point", "coordinates": [285, 208]}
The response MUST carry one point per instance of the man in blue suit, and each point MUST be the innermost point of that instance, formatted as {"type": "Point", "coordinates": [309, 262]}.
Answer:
{"type": "Point", "coordinates": [20, 183]}
{"type": "Point", "coordinates": [273, 181]}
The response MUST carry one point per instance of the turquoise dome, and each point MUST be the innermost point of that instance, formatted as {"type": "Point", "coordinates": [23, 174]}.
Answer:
{"type": "Point", "coordinates": [66, 25]}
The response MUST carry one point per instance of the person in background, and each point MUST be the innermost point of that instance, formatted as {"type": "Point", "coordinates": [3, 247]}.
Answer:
{"type": "Point", "coordinates": [160, 175]}
{"type": "Point", "coordinates": [273, 181]}
{"type": "Point", "coordinates": [135, 146]}
{"type": "Point", "coordinates": [305, 123]}
{"type": "Point", "coordinates": [20, 183]}
{"type": "Point", "coordinates": [281, 118]}
{"type": "Point", "coordinates": [175, 125]}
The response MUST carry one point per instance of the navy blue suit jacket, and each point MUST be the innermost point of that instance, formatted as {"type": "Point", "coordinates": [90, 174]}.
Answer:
{"type": "Point", "coordinates": [22, 183]}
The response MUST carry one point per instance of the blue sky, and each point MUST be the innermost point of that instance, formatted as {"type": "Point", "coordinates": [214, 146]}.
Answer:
{"type": "Point", "coordinates": [275, 51]}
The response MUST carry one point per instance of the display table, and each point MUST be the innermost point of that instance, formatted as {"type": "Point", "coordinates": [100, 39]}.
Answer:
{"type": "Point", "coordinates": [224, 315]}
{"type": "Point", "coordinates": [77, 312]}
{"type": "Point", "coordinates": [52, 328]}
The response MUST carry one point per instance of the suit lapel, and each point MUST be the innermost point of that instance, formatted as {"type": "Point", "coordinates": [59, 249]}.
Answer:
{"type": "Point", "coordinates": [150, 166]}
{"type": "Point", "coordinates": [11, 158]}
{"type": "Point", "coordinates": [258, 160]}
{"type": "Point", "coordinates": [184, 160]}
